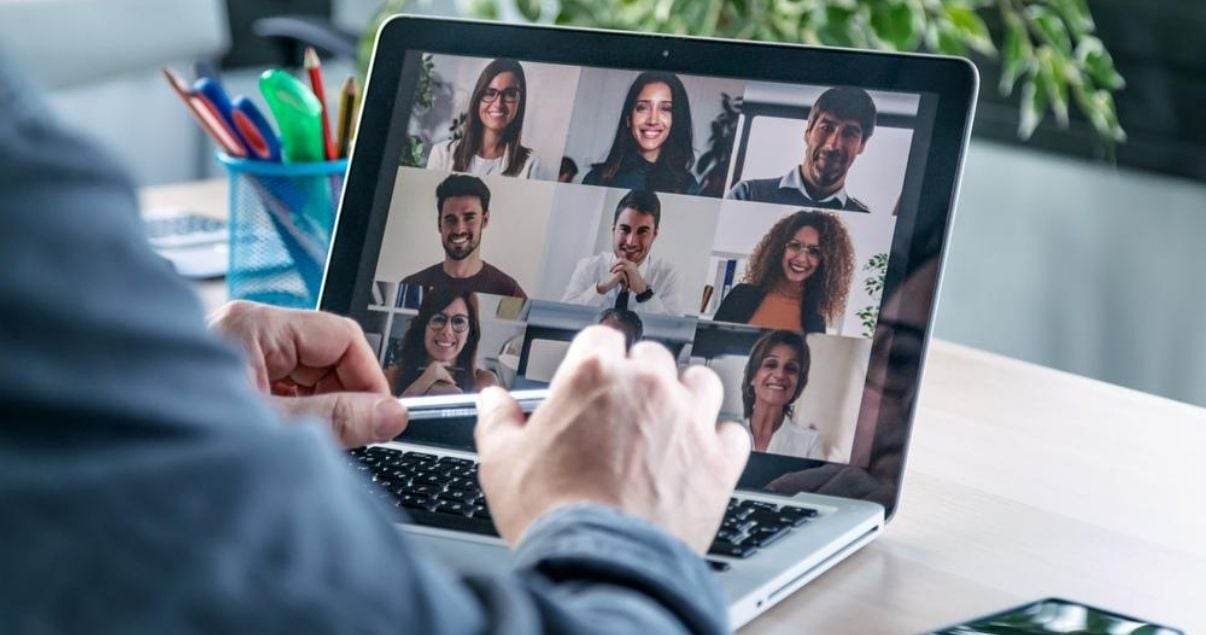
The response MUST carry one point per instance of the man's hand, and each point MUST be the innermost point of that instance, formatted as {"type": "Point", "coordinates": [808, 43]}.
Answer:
{"type": "Point", "coordinates": [631, 274]}
{"type": "Point", "coordinates": [315, 363]}
{"type": "Point", "coordinates": [619, 429]}
{"type": "Point", "coordinates": [607, 285]}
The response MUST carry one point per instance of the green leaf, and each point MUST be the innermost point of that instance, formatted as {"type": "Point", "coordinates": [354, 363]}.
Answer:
{"type": "Point", "coordinates": [1098, 63]}
{"type": "Point", "coordinates": [837, 29]}
{"type": "Point", "coordinates": [1052, 27]}
{"type": "Point", "coordinates": [898, 24]}
{"type": "Point", "coordinates": [1034, 106]}
{"type": "Point", "coordinates": [971, 28]}
{"type": "Point", "coordinates": [1055, 83]}
{"type": "Point", "coordinates": [1076, 16]}
{"type": "Point", "coordinates": [1018, 52]}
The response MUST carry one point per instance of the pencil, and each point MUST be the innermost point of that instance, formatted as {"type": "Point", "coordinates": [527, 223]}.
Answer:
{"type": "Point", "coordinates": [210, 121]}
{"type": "Point", "coordinates": [347, 115]}
{"type": "Point", "coordinates": [314, 70]}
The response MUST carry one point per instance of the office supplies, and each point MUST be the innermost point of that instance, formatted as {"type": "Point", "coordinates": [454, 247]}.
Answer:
{"type": "Point", "coordinates": [347, 115]}
{"type": "Point", "coordinates": [258, 134]}
{"type": "Point", "coordinates": [314, 71]}
{"type": "Point", "coordinates": [212, 93]}
{"type": "Point", "coordinates": [209, 120]}
{"type": "Point", "coordinates": [298, 115]}
{"type": "Point", "coordinates": [840, 498]}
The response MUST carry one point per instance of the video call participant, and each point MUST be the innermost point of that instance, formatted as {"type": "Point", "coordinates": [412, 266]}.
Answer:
{"type": "Point", "coordinates": [775, 375]}
{"type": "Point", "coordinates": [839, 125]}
{"type": "Point", "coordinates": [569, 170]}
{"type": "Point", "coordinates": [628, 277]}
{"type": "Point", "coordinates": [493, 128]}
{"type": "Point", "coordinates": [439, 349]}
{"type": "Point", "coordinates": [652, 149]}
{"type": "Point", "coordinates": [798, 276]}
{"type": "Point", "coordinates": [463, 212]}
{"type": "Point", "coordinates": [626, 322]}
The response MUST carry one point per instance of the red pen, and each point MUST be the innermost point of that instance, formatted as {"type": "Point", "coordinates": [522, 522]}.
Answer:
{"type": "Point", "coordinates": [314, 70]}
{"type": "Point", "coordinates": [206, 116]}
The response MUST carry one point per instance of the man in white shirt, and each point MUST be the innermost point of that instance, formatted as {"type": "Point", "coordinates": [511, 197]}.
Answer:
{"type": "Point", "coordinates": [628, 277]}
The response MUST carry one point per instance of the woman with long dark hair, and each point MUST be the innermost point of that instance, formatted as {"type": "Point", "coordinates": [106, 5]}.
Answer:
{"type": "Point", "coordinates": [798, 277]}
{"type": "Point", "coordinates": [491, 143]}
{"type": "Point", "coordinates": [775, 375]}
{"type": "Point", "coordinates": [653, 148]}
{"type": "Point", "coordinates": [439, 349]}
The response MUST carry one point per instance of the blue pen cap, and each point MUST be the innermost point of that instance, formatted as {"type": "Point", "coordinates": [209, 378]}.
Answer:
{"type": "Point", "coordinates": [282, 216]}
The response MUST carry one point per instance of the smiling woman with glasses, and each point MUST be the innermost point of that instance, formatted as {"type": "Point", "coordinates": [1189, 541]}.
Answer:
{"type": "Point", "coordinates": [493, 128]}
{"type": "Point", "coordinates": [798, 277]}
{"type": "Point", "coordinates": [439, 349]}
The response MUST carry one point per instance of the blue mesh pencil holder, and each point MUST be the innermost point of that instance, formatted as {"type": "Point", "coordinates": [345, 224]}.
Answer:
{"type": "Point", "coordinates": [281, 219]}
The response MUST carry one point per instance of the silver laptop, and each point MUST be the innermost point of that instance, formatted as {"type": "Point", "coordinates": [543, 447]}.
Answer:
{"type": "Point", "coordinates": [777, 213]}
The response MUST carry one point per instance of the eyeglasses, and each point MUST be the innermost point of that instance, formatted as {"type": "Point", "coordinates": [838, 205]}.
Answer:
{"type": "Point", "coordinates": [795, 247]}
{"type": "Point", "coordinates": [460, 323]}
{"type": "Point", "coordinates": [509, 95]}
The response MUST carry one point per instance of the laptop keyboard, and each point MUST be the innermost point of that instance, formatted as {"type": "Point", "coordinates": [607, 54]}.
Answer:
{"type": "Point", "coordinates": [443, 491]}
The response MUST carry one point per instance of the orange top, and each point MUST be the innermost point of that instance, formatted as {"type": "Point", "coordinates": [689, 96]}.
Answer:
{"type": "Point", "coordinates": [778, 311]}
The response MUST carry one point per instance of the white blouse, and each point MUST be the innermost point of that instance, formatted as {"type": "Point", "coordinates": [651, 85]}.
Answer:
{"type": "Point", "coordinates": [791, 439]}
{"type": "Point", "coordinates": [441, 159]}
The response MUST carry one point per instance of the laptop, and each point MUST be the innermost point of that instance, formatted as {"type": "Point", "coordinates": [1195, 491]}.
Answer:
{"type": "Point", "coordinates": [777, 213]}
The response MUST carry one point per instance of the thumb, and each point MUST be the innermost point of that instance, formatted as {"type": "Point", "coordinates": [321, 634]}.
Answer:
{"type": "Point", "coordinates": [498, 414]}
{"type": "Point", "coordinates": [356, 418]}
{"type": "Point", "coordinates": [734, 447]}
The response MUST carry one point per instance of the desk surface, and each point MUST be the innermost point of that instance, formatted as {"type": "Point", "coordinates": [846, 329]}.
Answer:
{"type": "Point", "coordinates": [1022, 482]}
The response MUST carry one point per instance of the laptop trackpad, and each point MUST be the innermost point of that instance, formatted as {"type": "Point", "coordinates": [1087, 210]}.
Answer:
{"type": "Point", "coordinates": [470, 554]}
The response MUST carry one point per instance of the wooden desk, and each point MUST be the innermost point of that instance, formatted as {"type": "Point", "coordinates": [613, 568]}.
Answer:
{"type": "Point", "coordinates": [1022, 482]}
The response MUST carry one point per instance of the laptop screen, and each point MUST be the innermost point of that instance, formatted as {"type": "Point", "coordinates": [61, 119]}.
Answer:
{"type": "Point", "coordinates": [745, 225]}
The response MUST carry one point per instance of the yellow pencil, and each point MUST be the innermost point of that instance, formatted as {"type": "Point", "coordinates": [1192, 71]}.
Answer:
{"type": "Point", "coordinates": [347, 114]}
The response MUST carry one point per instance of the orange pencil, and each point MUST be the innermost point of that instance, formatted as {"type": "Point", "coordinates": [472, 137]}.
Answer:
{"type": "Point", "coordinates": [210, 121]}
{"type": "Point", "coordinates": [314, 70]}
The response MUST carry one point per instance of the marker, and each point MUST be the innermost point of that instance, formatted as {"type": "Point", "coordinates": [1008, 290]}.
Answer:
{"type": "Point", "coordinates": [298, 116]}
{"type": "Point", "coordinates": [314, 70]}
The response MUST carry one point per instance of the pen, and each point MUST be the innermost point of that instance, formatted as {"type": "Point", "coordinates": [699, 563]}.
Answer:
{"type": "Point", "coordinates": [314, 70]}
{"type": "Point", "coordinates": [347, 115]}
{"type": "Point", "coordinates": [209, 120]}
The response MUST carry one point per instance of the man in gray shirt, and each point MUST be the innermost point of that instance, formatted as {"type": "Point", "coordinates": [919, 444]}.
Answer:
{"type": "Point", "coordinates": [147, 488]}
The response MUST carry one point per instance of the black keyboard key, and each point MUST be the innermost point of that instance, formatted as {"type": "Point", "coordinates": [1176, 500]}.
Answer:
{"type": "Point", "coordinates": [452, 460]}
{"type": "Point", "coordinates": [431, 479]}
{"type": "Point", "coordinates": [482, 512]}
{"type": "Point", "coordinates": [764, 537]}
{"type": "Point", "coordinates": [474, 525]}
{"type": "Point", "coordinates": [420, 457]}
{"type": "Point", "coordinates": [452, 507]}
{"type": "Point", "coordinates": [458, 495]}
{"type": "Point", "coordinates": [759, 505]}
{"type": "Point", "coordinates": [802, 512]}
{"type": "Point", "coordinates": [414, 502]}
{"type": "Point", "coordinates": [719, 548]}
{"type": "Point", "coordinates": [425, 490]}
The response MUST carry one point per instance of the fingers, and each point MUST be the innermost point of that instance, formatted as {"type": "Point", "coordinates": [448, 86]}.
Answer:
{"type": "Point", "coordinates": [601, 343]}
{"type": "Point", "coordinates": [498, 414]}
{"type": "Point", "coordinates": [734, 448]}
{"type": "Point", "coordinates": [323, 340]}
{"type": "Point", "coordinates": [707, 393]}
{"type": "Point", "coordinates": [655, 357]}
{"type": "Point", "coordinates": [356, 419]}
